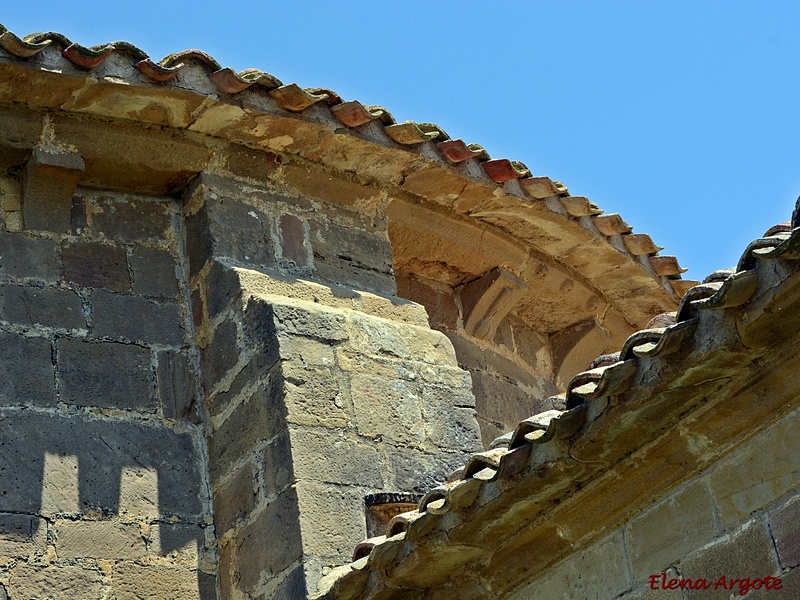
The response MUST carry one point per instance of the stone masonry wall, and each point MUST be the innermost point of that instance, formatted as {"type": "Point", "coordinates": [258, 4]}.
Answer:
{"type": "Point", "coordinates": [103, 486]}
{"type": "Point", "coordinates": [319, 391]}
{"type": "Point", "coordinates": [736, 520]}
{"type": "Point", "coordinates": [511, 372]}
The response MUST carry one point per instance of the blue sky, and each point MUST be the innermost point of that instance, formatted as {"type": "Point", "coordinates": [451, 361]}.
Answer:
{"type": "Point", "coordinates": [681, 116]}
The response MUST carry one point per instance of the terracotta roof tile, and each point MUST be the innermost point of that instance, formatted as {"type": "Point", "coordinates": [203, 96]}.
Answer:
{"type": "Point", "coordinates": [352, 114]}
{"type": "Point", "coordinates": [673, 337]}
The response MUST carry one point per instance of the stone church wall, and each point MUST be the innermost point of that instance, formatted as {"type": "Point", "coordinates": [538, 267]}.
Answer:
{"type": "Point", "coordinates": [200, 391]}
{"type": "Point", "coordinates": [735, 521]}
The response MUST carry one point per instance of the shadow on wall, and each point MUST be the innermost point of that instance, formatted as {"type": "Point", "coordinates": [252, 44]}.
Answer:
{"type": "Point", "coordinates": [78, 467]}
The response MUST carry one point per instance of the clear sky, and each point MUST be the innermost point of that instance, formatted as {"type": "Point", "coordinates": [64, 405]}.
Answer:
{"type": "Point", "coordinates": [680, 115]}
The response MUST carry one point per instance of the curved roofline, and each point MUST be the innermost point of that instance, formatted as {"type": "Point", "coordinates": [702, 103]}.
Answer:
{"type": "Point", "coordinates": [252, 107]}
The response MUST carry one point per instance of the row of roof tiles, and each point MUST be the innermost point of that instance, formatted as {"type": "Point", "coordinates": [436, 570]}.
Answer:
{"type": "Point", "coordinates": [352, 114]}
{"type": "Point", "coordinates": [609, 375]}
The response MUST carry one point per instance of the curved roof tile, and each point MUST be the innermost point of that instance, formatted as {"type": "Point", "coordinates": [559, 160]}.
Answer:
{"type": "Point", "coordinates": [353, 114]}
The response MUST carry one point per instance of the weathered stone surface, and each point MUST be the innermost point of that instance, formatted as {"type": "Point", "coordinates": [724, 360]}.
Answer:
{"type": "Point", "coordinates": [131, 219]}
{"type": "Point", "coordinates": [22, 535]}
{"type": "Point", "coordinates": [222, 287]}
{"type": "Point", "coordinates": [235, 499]}
{"type": "Point", "coordinates": [789, 588]}
{"type": "Point", "coordinates": [332, 457]}
{"type": "Point", "coordinates": [136, 319]}
{"type": "Point", "coordinates": [324, 186]}
{"type": "Point", "coordinates": [418, 471]}
{"type": "Point", "coordinates": [315, 396]}
{"type": "Point", "coordinates": [386, 338]}
{"type": "Point", "coordinates": [305, 319]}
{"type": "Point", "coordinates": [645, 592]}
{"type": "Point", "coordinates": [177, 387]}
{"type": "Point", "coordinates": [49, 180]}
{"type": "Point", "coordinates": [242, 161]}
{"type": "Point", "coordinates": [748, 553]}
{"type": "Point", "coordinates": [331, 520]}
{"type": "Point", "coordinates": [255, 369]}
{"type": "Point", "coordinates": [292, 586]}
{"type": "Point", "coordinates": [759, 473]}
{"type": "Point", "coordinates": [502, 404]}
{"type": "Point", "coordinates": [269, 543]}
{"type": "Point", "coordinates": [199, 243]}
{"type": "Point", "coordinates": [133, 581]}
{"type": "Point", "coordinates": [388, 409]}
{"type": "Point", "coordinates": [104, 450]}
{"type": "Point", "coordinates": [449, 420]}
{"type": "Point", "coordinates": [121, 154]}
{"type": "Point", "coordinates": [96, 265]}
{"type": "Point", "coordinates": [154, 273]}
{"type": "Point", "coordinates": [439, 303]}
{"type": "Point", "coordinates": [277, 469]}
{"type": "Point", "coordinates": [255, 421]}
{"type": "Point", "coordinates": [653, 546]}
{"type": "Point", "coordinates": [20, 130]}
{"type": "Point", "coordinates": [98, 539]}
{"type": "Point", "coordinates": [180, 542]}
{"type": "Point", "coordinates": [293, 241]}
{"type": "Point", "coordinates": [26, 370]}
{"type": "Point", "coordinates": [531, 348]}
{"type": "Point", "coordinates": [783, 525]}
{"type": "Point", "coordinates": [221, 355]}
{"type": "Point", "coordinates": [105, 374]}
{"type": "Point", "coordinates": [240, 232]}
{"type": "Point", "coordinates": [55, 582]}
{"type": "Point", "coordinates": [575, 348]}
{"type": "Point", "coordinates": [597, 573]}
{"type": "Point", "coordinates": [487, 300]}
{"type": "Point", "coordinates": [351, 256]}
{"type": "Point", "coordinates": [51, 307]}
{"type": "Point", "coordinates": [22, 256]}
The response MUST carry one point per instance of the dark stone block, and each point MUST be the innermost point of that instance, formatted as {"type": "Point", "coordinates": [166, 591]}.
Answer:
{"type": "Point", "coordinates": [278, 471]}
{"type": "Point", "coordinates": [50, 178]}
{"type": "Point", "coordinates": [25, 305]}
{"type": "Point", "coordinates": [271, 542]}
{"type": "Point", "coordinates": [240, 232]}
{"type": "Point", "coordinates": [96, 265]}
{"type": "Point", "coordinates": [136, 319]}
{"type": "Point", "coordinates": [77, 217]}
{"type": "Point", "coordinates": [236, 500]}
{"type": "Point", "coordinates": [177, 388]}
{"type": "Point", "coordinates": [132, 219]}
{"type": "Point", "coordinates": [417, 472]}
{"type": "Point", "coordinates": [197, 308]}
{"type": "Point", "coordinates": [23, 256]}
{"type": "Point", "coordinates": [103, 448]}
{"type": "Point", "coordinates": [255, 421]}
{"type": "Point", "coordinates": [105, 374]}
{"type": "Point", "coordinates": [207, 586]}
{"type": "Point", "coordinates": [293, 586]}
{"type": "Point", "coordinates": [221, 355]}
{"type": "Point", "coordinates": [352, 257]}
{"type": "Point", "coordinates": [259, 323]}
{"type": "Point", "coordinates": [222, 287]}
{"type": "Point", "coordinates": [154, 273]}
{"type": "Point", "coordinates": [199, 246]}
{"type": "Point", "coordinates": [27, 374]}
{"type": "Point", "coordinates": [292, 237]}
{"type": "Point", "coordinates": [747, 553]}
{"type": "Point", "coordinates": [20, 536]}
{"type": "Point", "coordinates": [783, 522]}
{"type": "Point", "coordinates": [255, 369]}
